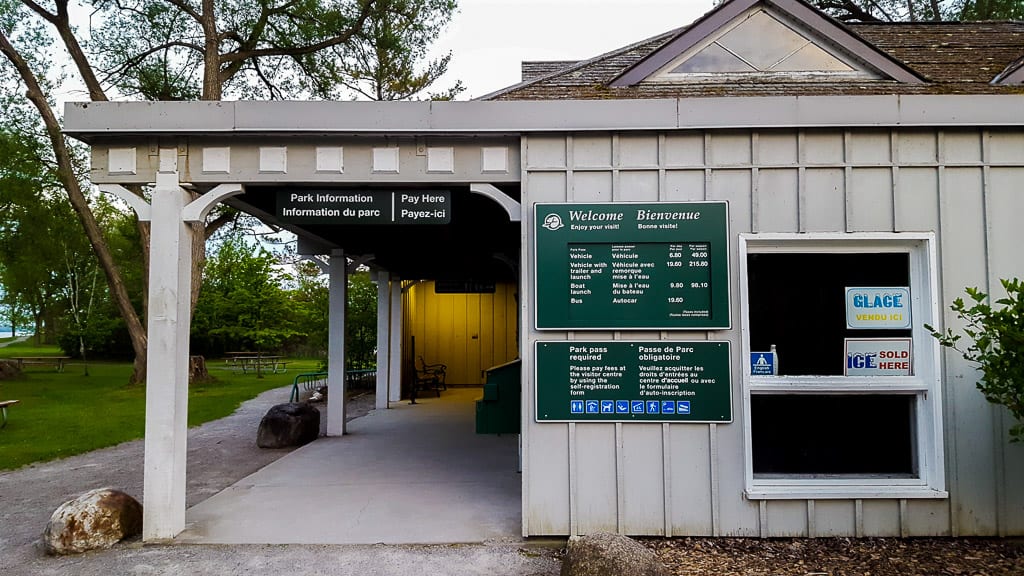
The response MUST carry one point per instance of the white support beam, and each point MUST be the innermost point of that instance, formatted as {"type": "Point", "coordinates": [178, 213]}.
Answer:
{"type": "Point", "coordinates": [514, 209]}
{"type": "Point", "coordinates": [200, 208]}
{"type": "Point", "coordinates": [395, 346]}
{"type": "Point", "coordinates": [167, 372]}
{"type": "Point", "coordinates": [137, 203]}
{"type": "Point", "coordinates": [336, 345]}
{"type": "Point", "coordinates": [383, 337]}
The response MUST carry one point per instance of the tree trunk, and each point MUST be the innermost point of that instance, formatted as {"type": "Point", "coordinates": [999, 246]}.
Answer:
{"type": "Point", "coordinates": [66, 173]}
{"type": "Point", "coordinates": [197, 371]}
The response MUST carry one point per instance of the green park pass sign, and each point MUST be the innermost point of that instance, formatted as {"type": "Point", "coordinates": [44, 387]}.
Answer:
{"type": "Point", "coordinates": [633, 381]}
{"type": "Point", "coordinates": [632, 265]}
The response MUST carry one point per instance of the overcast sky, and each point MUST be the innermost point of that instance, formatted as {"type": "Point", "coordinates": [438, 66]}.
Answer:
{"type": "Point", "coordinates": [489, 38]}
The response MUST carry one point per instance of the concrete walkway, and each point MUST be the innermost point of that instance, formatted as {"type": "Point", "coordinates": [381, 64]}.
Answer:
{"type": "Point", "coordinates": [409, 475]}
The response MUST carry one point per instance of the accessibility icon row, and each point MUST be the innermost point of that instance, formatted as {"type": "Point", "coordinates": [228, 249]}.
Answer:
{"type": "Point", "coordinates": [670, 407]}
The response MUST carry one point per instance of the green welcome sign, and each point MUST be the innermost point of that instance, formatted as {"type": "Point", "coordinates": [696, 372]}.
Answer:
{"type": "Point", "coordinates": [633, 381]}
{"type": "Point", "coordinates": [632, 265]}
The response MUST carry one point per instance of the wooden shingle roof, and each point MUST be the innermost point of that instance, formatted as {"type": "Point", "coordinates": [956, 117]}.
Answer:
{"type": "Point", "coordinates": [953, 58]}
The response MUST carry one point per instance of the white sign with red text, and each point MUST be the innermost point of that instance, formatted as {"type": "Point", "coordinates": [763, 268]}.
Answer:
{"type": "Point", "coordinates": [878, 357]}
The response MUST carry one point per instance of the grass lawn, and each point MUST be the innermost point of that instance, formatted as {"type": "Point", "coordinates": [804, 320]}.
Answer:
{"type": "Point", "coordinates": [69, 413]}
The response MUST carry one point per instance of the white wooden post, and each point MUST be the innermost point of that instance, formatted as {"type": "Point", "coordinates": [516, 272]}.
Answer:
{"type": "Point", "coordinates": [170, 276]}
{"type": "Point", "coordinates": [383, 338]}
{"type": "Point", "coordinates": [336, 344]}
{"type": "Point", "coordinates": [395, 346]}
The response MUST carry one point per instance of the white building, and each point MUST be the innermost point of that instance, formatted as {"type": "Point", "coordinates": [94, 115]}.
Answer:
{"type": "Point", "coordinates": [820, 188]}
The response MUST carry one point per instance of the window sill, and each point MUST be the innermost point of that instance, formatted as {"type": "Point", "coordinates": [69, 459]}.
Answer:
{"type": "Point", "coordinates": [843, 493]}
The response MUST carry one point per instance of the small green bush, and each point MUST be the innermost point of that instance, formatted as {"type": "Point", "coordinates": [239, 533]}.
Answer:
{"type": "Point", "coordinates": [997, 346]}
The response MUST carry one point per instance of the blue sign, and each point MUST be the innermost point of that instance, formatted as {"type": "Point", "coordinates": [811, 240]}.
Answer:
{"type": "Point", "coordinates": [607, 407]}
{"type": "Point", "coordinates": [653, 407]}
{"type": "Point", "coordinates": [668, 407]}
{"type": "Point", "coordinates": [576, 406]}
{"type": "Point", "coordinates": [762, 364]}
{"type": "Point", "coordinates": [622, 406]}
{"type": "Point", "coordinates": [637, 406]}
{"type": "Point", "coordinates": [683, 407]}
{"type": "Point", "coordinates": [592, 406]}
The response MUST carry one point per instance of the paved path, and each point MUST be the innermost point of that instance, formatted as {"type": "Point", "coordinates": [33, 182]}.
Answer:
{"type": "Point", "coordinates": [220, 453]}
{"type": "Point", "coordinates": [409, 475]}
{"type": "Point", "coordinates": [16, 340]}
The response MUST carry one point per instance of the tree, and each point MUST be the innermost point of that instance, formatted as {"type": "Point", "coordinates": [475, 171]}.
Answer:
{"type": "Point", "coordinates": [173, 49]}
{"type": "Point", "coordinates": [244, 304]}
{"type": "Point", "coordinates": [387, 59]}
{"type": "Point", "coordinates": [361, 321]}
{"type": "Point", "coordinates": [921, 10]}
{"type": "Point", "coordinates": [996, 346]}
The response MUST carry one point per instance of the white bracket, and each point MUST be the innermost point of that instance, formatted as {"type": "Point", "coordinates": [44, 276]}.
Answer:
{"type": "Point", "coordinates": [137, 203]}
{"type": "Point", "coordinates": [514, 209]}
{"type": "Point", "coordinates": [357, 262]}
{"type": "Point", "coordinates": [198, 209]}
{"type": "Point", "coordinates": [325, 268]}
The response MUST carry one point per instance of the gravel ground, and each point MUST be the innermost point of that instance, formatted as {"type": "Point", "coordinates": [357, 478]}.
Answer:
{"type": "Point", "coordinates": [841, 556]}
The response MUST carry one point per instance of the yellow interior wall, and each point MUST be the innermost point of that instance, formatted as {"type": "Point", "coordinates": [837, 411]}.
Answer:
{"type": "Point", "coordinates": [467, 332]}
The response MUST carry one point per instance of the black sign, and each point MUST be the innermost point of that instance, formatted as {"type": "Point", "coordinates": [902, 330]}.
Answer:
{"type": "Point", "coordinates": [463, 287]}
{"type": "Point", "coordinates": [365, 207]}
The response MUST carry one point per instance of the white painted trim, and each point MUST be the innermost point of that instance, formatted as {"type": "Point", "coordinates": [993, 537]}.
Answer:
{"type": "Point", "coordinates": [198, 209]}
{"type": "Point", "coordinates": [109, 120]}
{"type": "Point", "coordinates": [925, 385]}
{"type": "Point", "coordinates": [142, 208]}
{"type": "Point", "coordinates": [513, 208]}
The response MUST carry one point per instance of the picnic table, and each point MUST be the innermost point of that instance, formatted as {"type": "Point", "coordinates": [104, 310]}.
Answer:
{"type": "Point", "coordinates": [56, 361]}
{"type": "Point", "coordinates": [253, 361]}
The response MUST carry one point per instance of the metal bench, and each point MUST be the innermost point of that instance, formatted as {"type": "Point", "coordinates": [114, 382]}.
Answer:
{"type": "Point", "coordinates": [309, 381]}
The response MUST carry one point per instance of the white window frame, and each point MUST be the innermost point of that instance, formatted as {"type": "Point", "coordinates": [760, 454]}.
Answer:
{"type": "Point", "coordinates": [924, 385]}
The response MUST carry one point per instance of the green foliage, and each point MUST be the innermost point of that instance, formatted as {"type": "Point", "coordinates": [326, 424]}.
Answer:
{"type": "Point", "coordinates": [361, 322]}
{"type": "Point", "coordinates": [996, 345]}
{"type": "Point", "coordinates": [243, 305]}
{"type": "Point", "coordinates": [921, 10]}
{"type": "Point", "coordinates": [387, 58]}
{"type": "Point", "coordinates": [65, 414]}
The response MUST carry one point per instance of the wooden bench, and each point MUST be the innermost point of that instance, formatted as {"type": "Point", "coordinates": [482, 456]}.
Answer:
{"type": "Point", "coordinates": [56, 361]}
{"type": "Point", "coordinates": [3, 411]}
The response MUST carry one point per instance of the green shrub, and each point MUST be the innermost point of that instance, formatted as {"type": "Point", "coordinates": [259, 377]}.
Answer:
{"type": "Point", "coordinates": [996, 346]}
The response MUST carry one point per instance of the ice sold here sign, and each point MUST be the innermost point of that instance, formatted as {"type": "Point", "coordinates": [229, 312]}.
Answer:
{"type": "Point", "coordinates": [878, 357]}
{"type": "Point", "coordinates": [878, 308]}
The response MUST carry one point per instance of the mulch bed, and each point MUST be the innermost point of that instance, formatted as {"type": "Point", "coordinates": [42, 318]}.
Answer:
{"type": "Point", "coordinates": [840, 556]}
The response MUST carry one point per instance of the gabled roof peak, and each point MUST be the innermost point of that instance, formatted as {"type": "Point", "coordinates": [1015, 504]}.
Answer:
{"type": "Point", "coordinates": [829, 47]}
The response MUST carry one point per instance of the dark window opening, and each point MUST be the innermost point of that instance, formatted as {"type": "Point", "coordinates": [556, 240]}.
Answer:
{"type": "Point", "coordinates": [798, 303]}
{"type": "Point", "coordinates": [834, 435]}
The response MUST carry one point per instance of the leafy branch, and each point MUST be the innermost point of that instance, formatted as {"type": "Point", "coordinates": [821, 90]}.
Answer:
{"type": "Point", "coordinates": [996, 345]}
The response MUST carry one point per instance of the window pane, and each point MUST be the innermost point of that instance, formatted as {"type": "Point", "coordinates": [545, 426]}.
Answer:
{"type": "Point", "coordinates": [798, 303]}
{"type": "Point", "coordinates": [712, 59]}
{"type": "Point", "coordinates": [762, 40]}
{"type": "Point", "coordinates": [811, 58]}
{"type": "Point", "coordinates": [833, 435]}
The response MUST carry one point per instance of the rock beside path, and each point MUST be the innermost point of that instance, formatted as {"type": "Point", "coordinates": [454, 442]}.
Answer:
{"type": "Point", "coordinates": [604, 554]}
{"type": "Point", "coordinates": [288, 425]}
{"type": "Point", "coordinates": [97, 519]}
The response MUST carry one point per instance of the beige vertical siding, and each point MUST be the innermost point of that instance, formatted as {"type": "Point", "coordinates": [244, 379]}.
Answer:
{"type": "Point", "coordinates": [688, 479]}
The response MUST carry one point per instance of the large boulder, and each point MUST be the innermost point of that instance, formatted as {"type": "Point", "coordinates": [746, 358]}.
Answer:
{"type": "Point", "coordinates": [286, 425]}
{"type": "Point", "coordinates": [97, 519]}
{"type": "Point", "coordinates": [604, 554]}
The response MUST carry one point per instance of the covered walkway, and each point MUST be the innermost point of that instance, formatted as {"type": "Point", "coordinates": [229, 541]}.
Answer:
{"type": "Point", "coordinates": [409, 475]}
